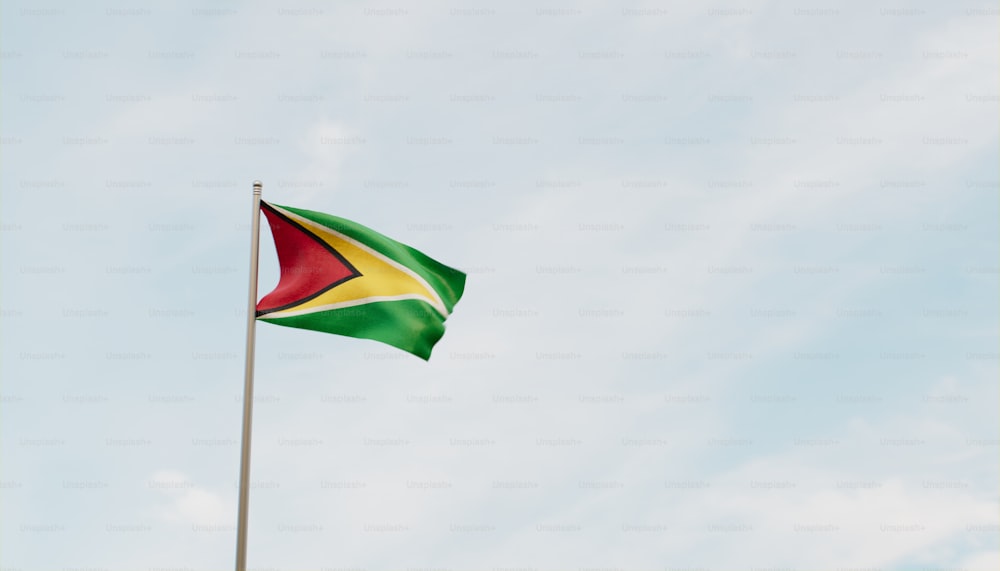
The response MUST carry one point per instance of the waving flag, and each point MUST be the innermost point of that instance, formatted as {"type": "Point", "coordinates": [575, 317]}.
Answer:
{"type": "Point", "coordinates": [340, 277]}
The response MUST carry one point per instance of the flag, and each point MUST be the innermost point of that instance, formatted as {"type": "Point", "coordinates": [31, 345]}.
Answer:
{"type": "Point", "coordinates": [340, 277]}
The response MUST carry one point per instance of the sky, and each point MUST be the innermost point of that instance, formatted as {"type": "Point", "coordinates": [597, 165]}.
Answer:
{"type": "Point", "coordinates": [732, 298]}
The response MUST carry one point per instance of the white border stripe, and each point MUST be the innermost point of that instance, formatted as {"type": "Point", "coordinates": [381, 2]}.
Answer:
{"type": "Point", "coordinates": [436, 302]}
{"type": "Point", "coordinates": [343, 304]}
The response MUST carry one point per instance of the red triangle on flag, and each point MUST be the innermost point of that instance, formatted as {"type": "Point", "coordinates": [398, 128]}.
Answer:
{"type": "Point", "coordinates": [309, 266]}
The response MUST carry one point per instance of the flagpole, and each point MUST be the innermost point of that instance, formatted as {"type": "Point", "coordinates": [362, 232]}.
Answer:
{"type": "Point", "coordinates": [242, 517]}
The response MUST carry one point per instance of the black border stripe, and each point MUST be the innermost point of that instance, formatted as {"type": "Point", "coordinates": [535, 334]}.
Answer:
{"type": "Point", "coordinates": [354, 271]}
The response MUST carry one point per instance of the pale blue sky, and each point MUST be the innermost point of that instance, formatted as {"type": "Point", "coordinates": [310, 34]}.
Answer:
{"type": "Point", "coordinates": [732, 297]}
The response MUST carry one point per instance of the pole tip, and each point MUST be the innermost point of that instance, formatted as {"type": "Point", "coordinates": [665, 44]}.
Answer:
{"type": "Point", "coordinates": [257, 186]}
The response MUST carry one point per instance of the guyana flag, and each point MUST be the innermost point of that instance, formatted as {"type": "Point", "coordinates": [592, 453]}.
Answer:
{"type": "Point", "coordinates": [340, 277]}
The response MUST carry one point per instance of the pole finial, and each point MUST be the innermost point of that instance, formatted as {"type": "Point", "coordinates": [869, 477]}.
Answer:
{"type": "Point", "coordinates": [257, 186]}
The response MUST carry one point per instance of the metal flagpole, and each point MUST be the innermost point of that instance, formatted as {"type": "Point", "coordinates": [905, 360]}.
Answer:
{"type": "Point", "coordinates": [241, 525]}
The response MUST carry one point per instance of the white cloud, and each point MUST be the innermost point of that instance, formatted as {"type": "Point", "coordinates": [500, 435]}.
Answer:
{"type": "Point", "coordinates": [189, 504]}
{"type": "Point", "coordinates": [983, 561]}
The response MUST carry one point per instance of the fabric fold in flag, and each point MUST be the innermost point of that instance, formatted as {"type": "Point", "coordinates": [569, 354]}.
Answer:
{"type": "Point", "coordinates": [340, 277]}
